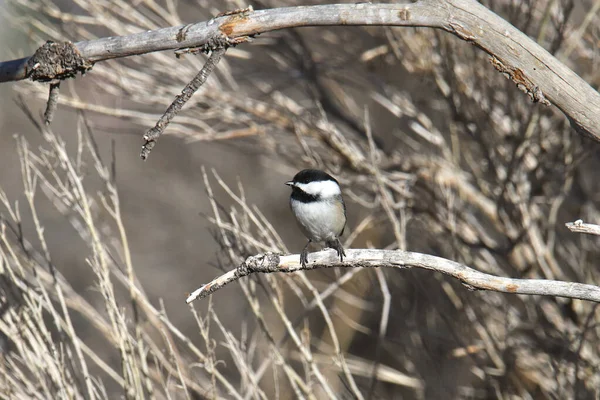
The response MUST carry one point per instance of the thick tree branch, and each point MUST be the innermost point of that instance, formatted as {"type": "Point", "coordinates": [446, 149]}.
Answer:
{"type": "Point", "coordinates": [473, 279]}
{"type": "Point", "coordinates": [533, 69]}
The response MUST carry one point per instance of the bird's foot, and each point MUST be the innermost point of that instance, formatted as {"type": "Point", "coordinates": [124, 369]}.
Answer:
{"type": "Point", "coordinates": [304, 256]}
{"type": "Point", "coordinates": [337, 246]}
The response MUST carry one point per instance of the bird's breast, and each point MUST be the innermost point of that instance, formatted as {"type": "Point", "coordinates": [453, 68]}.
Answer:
{"type": "Point", "coordinates": [321, 220]}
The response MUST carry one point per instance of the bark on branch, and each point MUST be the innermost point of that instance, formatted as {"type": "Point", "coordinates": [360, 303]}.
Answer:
{"type": "Point", "coordinates": [472, 279]}
{"type": "Point", "coordinates": [533, 69]}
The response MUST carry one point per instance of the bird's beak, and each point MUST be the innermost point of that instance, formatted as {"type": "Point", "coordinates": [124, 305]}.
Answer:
{"type": "Point", "coordinates": [290, 183]}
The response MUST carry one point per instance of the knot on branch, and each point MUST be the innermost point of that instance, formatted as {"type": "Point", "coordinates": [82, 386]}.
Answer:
{"type": "Point", "coordinates": [214, 43]}
{"type": "Point", "coordinates": [56, 60]}
{"type": "Point", "coordinates": [222, 41]}
{"type": "Point", "coordinates": [267, 262]}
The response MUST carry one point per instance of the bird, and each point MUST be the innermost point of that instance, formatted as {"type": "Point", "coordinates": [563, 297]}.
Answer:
{"type": "Point", "coordinates": [316, 202]}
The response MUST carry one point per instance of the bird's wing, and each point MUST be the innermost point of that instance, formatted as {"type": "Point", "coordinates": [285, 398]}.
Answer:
{"type": "Point", "coordinates": [343, 204]}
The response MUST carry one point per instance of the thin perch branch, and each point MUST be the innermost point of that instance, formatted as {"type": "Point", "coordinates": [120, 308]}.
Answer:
{"type": "Point", "coordinates": [543, 77]}
{"type": "Point", "coordinates": [473, 279]}
{"type": "Point", "coordinates": [581, 227]}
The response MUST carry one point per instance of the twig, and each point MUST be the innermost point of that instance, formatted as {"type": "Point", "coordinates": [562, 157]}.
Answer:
{"type": "Point", "coordinates": [52, 102]}
{"type": "Point", "coordinates": [360, 367]}
{"type": "Point", "coordinates": [383, 324]}
{"type": "Point", "coordinates": [581, 227]}
{"type": "Point", "coordinates": [473, 279]}
{"type": "Point", "coordinates": [152, 135]}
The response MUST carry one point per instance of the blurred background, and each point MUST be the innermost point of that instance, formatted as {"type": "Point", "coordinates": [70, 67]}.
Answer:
{"type": "Point", "coordinates": [462, 165]}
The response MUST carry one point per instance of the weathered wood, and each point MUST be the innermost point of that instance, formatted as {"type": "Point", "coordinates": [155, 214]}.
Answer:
{"type": "Point", "coordinates": [543, 77]}
{"type": "Point", "coordinates": [355, 258]}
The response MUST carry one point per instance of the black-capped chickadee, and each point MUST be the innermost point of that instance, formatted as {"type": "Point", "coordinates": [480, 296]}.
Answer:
{"type": "Point", "coordinates": [319, 208]}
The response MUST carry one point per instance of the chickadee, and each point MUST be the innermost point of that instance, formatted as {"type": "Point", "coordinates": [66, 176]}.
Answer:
{"type": "Point", "coordinates": [319, 208]}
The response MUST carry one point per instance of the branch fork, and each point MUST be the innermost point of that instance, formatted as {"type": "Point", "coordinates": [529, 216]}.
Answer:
{"type": "Point", "coordinates": [53, 62]}
{"type": "Point", "coordinates": [217, 46]}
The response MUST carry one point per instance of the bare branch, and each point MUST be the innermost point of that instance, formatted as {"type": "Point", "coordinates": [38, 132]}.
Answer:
{"type": "Point", "coordinates": [535, 71]}
{"type": "Point", "coordinates": [581, 227]}
{"type": "Point", "coordinates": [153, 134]}
{"type": "Point", "coordinates": [473, 279]}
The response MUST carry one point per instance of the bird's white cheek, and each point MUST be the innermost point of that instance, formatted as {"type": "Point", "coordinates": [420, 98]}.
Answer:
{"type": "Point", "coordinates": [325, 189]}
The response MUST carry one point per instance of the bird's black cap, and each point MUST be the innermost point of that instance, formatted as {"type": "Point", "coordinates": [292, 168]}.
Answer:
{"type": "Point", "coordinates": [313, 175]}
